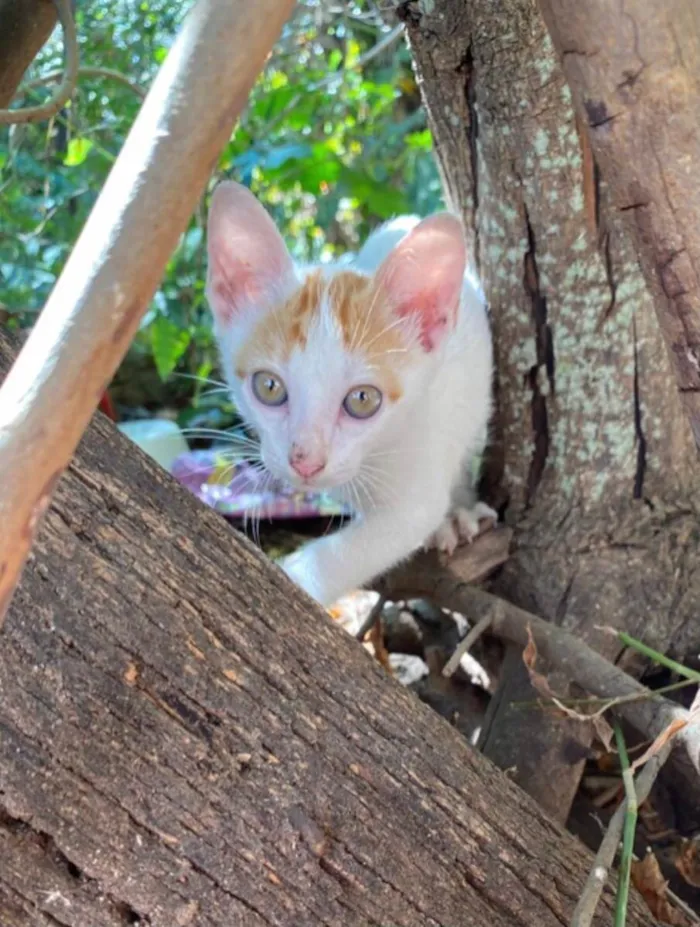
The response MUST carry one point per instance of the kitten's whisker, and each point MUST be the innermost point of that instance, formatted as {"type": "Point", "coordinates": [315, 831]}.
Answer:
{"type": "Point", "coordinates": [376, 479]}
{"type": "Point", "coordinates": [368, 316]}
{"type": "Point", "coordinates": [357, 505]}
{"type": "Point", "coordinates": [365, 489]}
{"type": "Point", "coordinates": [392, 325]}
{"type": "Point", "coordinates": [198, 379]}
{"type": "Point", "coordinates": [385, 452]}
{"type": "Point", "coordinates": [201, 431]}
{"type": "Point", "coordinates": [388, 351]}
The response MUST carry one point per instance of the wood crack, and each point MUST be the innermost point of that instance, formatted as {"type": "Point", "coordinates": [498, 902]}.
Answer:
{"type": "Point", "coordinates": [638, 424]}
{"type": "Point", "coordinates": [472, 139]}
{"type": "Point", "coordinates": [544, 366]}
{"type": "Point", "coordinates": [609, 310]}
{"type": "Point", "coordinates": [52, 851]}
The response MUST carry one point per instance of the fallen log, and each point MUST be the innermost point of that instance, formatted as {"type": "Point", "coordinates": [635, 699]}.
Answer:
{"type": "Point", "coordinates": [187, 740]}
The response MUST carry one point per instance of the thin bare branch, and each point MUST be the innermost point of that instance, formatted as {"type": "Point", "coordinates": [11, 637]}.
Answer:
{"type": "Point", "coordinates": [467, 642]}
{"type": "Point", "coordinates": [592, 890]}
{"type": "Point", "coordinates": [86, 71]}
{"type": "Point", "coordinates": [372, 618]}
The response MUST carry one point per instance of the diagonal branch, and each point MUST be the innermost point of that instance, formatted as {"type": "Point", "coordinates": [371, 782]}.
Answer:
{"type": "Point", "coordinates": [109, 279]}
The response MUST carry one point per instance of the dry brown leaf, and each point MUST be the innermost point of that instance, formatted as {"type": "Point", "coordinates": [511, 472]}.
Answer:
{"type": "Point", "coordinates": [538, 681]}
{"type": "Point", "coordinates": [603, 731]}
{"type": "Point", "coordinates": [650, 883]}
{"type": "Point", "coordinates": [688, 861]}
{"type": "Point", "coordinates": [376, 638]}
{"type": "Point", "coordinates": [673, 728]}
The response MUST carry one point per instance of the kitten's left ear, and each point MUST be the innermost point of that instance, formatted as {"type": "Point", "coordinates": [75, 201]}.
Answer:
{"type": "Point", "coordinates": [424, 275]}
{"type": "Point", "coordinates": [248, 259]}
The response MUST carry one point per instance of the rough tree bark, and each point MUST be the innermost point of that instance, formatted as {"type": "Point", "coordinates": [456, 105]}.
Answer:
{"type": "Point", "coordinates": [594, 458]}
{"type": "Point", "coordinates": [26, 25]}
{"type": "Point", "coordinates": [635, 73]}
{"type": "Point", "coordinates": [186, 740]}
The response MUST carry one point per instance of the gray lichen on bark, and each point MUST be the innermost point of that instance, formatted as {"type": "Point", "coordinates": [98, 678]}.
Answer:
{"type": "Point", "coordinates": [593, 457]}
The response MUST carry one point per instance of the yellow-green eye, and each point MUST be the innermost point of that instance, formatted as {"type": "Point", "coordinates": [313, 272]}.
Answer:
{"type": "Point", "coordinates": [268, 388]}
{"type": "Point", "coordinates": [363, 401]}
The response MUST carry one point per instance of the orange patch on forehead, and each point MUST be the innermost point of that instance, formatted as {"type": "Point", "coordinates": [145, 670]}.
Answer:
{"type": "Point", "coordinates": [284, 327]}
{"type": "Point", "coordinates": [364, 322]}
{"type": "Point", "coordinates": [368, 326]}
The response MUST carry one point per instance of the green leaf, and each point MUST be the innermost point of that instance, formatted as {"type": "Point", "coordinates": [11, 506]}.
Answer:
{"type": "Point", "coordinates": [78, 150]}
{"type": "Point", "coordinates": [383, 200]}
{"type": "Point", "coordinates": [168, 343]}
{"type": "Point", "coordinates": [420, 141]}
{"type": "Point", "coordinates": [352, 53]}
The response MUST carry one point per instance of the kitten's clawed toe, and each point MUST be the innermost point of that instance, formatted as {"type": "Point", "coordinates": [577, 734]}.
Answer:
{"type": "Point", "coordinates": [468, 519]}
{"type": "Point", "coordinates": [446, 538]}
{"type": "Point", "coordinates": [461, 524]}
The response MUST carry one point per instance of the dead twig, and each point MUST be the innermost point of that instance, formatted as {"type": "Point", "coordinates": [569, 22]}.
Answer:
{"type": "Point", "coordinates": [372, 618]}
{"type": "Point", "coordinates": [603, 705]}
{"type": "Point", "coordinates": [629, 828]}
{"type": "Point", "coordinates": [70, 75]}
{"type": "Point", "coordinates": [592, 890]}
{"type": "Point", "coordinates": [650, 716]}
{"type": "Point", "coordinates": [467, 642]}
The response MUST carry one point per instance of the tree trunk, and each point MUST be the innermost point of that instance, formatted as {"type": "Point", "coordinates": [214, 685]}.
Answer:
{"type": "Point", "coordinates": [635, 72]}
{"type": "Point", "coordinates": [594, 459]}
{"type": "Point", "coordinates": [24, 27]}
{"type": "Point", "coordinates": [186, 740]}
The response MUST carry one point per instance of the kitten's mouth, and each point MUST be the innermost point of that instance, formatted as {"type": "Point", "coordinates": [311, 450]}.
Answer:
{"type": "Point", "coordinates": [316, 483]}
{"type": "Point", "coordinates": [309, 483]}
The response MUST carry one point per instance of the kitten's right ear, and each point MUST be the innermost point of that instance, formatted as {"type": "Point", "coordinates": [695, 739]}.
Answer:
{"type": "Point", "coordinates": [248, 260]}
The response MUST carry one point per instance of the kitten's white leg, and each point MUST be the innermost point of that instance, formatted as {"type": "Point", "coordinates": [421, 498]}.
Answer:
{"type": "Point", "coordinates": [462, 521]}
{"type": "Point", "coordinates": [333, 566]}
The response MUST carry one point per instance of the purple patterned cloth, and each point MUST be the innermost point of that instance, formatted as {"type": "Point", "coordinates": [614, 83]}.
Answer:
{"type": "Point", "coordinates": [237, 489]}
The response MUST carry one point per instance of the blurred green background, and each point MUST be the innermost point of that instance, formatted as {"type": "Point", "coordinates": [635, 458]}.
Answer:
{"type": "Point", "coordinates": [333, 142]}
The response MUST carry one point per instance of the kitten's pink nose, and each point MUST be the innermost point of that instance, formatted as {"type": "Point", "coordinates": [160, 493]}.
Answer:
{"type": "Point", "coordinates": [305, 464]}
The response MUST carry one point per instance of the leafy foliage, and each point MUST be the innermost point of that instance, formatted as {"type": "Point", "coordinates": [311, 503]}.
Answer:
{"type": "Point", "coordinates": [333, 142]}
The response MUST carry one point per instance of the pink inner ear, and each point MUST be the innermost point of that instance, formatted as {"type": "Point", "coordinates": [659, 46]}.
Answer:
{"type": "Point", "coordinates": [248, 259]}
{"type": "Point", "coordinates": [424, 274]}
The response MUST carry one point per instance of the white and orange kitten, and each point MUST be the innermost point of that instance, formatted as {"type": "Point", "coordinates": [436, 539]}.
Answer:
{"type": "Point", "coordinates": [371, 380]}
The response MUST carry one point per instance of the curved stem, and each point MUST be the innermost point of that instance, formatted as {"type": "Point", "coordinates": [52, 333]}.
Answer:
{"type": "Point", "coordinates": [87, 71]}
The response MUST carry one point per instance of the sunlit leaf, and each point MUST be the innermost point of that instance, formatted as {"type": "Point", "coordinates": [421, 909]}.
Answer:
{"type": "Point", "coordinates": [168, 343]}
{"type": "Point", "coordinates": [383, 200]}
{"type": "Point", "coordinates": [420, 141]}
{"type": "Point", "coordinates": [352, 53]}
{"type": "Point", "coordinates": [78, 150]}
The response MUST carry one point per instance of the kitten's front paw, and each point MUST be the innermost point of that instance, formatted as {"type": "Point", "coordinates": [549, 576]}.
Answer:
{"type": "Point", "coordinates": [460, 525]}
{"type": "Point", "coordinates": [302, 569]}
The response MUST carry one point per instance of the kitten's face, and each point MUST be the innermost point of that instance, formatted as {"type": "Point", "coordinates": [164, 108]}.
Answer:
{"type": "Point", "coordinates": [321, 375]}
{"type": "Point", "coordinates": [323, 366]}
